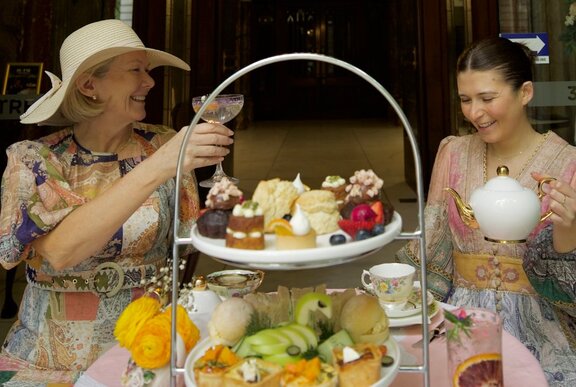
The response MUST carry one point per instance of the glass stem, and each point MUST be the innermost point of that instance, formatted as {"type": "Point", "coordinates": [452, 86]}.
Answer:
{"type": "Point", "coordinates": [219, 170]}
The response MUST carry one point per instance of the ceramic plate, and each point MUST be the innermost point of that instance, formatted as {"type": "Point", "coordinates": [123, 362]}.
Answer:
{"type": "Point", "coordinates": [321, 256]}
{"type": "Point", "coordinates": [413, 306]}
{"type": "Point", "coordinates": [416, 319]}
{"type": "Point", "coordinates": [387, 374]}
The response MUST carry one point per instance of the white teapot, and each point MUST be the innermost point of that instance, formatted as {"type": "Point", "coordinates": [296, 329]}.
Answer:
{"type": "Point", "coordinates": [504, 210]}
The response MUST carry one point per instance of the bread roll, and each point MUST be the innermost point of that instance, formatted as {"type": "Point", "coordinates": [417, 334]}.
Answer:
{"type": "Point", "coordinates": [364, 319]}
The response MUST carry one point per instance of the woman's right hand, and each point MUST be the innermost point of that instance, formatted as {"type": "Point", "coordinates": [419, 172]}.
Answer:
{"type": "Point", "coordinates": [206, 145]}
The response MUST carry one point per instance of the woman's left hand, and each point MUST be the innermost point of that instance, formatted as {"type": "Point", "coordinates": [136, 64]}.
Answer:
{"type": "Point", "coordinates": [563, 206]}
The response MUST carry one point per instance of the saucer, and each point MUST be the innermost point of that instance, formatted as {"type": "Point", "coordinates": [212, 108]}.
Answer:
{"type": "Point", "coordinates": [412, 306]}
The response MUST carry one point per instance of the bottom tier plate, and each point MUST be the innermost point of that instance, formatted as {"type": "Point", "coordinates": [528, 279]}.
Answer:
{"type": "Point", "coordinates": [387, 374]}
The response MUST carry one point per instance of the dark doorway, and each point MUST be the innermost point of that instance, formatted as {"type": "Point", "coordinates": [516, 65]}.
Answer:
{"type": "Point", "coordinates": [352, 31]}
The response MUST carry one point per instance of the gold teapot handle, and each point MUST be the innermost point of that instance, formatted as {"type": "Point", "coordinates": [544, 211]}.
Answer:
{"type": "Point", "coordinates": [541, 193]}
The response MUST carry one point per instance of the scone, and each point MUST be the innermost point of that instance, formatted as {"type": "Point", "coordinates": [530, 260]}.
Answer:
{"type": "Point", "coordinates": [253, 372]}
{"type": "Point", "coordinates": [321, 209]}
{"type": "Point", "coordinates": [246, 227]}
{"type": "Point", "coordinates": [275, 198]}
{"type": "Point", "coordinates": [357, 365]}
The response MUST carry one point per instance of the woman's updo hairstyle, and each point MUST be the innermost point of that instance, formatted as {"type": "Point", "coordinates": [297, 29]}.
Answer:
{"type": "Point", "coordinates": [513, 60]}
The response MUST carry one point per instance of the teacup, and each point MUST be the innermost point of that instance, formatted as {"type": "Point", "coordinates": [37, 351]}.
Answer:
{"type": "Point", "coordinates": [392, 283]}
{"type": "Point", "coordinates": [234, 283]}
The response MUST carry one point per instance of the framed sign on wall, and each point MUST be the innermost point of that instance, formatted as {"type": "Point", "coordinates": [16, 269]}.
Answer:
{"type": "Point", "coordinates": [22, 78]}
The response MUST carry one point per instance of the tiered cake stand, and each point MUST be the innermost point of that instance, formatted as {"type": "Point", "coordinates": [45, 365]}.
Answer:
{"type": "Point", "coordinates": [324, 256]}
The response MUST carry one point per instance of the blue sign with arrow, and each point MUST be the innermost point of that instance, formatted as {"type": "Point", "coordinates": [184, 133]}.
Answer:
{"type": "Point", "coordinates": [537, 42]}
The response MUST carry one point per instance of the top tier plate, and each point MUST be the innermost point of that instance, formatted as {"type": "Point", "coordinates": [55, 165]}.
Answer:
{"type": "Point", "coordinates": [271, 259]}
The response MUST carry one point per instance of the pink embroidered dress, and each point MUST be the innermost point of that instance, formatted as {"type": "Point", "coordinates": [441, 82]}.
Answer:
{"type": "Point", "coordinates": [67, 318]}
{"type": "Point", "coordinates": [533, 290]}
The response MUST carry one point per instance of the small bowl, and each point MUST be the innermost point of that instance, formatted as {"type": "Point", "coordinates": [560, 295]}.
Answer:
{"type": "Point", "coordinates": [234, 283]}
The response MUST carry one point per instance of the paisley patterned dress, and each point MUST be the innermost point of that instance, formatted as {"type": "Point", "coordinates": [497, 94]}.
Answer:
{"type": "Point", "coordinates": [529, 284]}
{"type": "Point", "coordinates": [67, 318]}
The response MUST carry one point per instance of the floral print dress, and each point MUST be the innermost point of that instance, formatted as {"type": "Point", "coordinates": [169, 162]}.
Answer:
{"type": "Point", "coordinates": [544, 320]}
{"type": "Point", "coordinates": [44, 181]}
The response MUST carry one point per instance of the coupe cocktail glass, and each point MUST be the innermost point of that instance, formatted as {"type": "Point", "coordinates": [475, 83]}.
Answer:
{"type": "Point", "coordinates": [223, 109]}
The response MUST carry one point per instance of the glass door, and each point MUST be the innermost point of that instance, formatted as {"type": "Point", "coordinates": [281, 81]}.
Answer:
{"type": "Point", "coordinates": [548, 27]}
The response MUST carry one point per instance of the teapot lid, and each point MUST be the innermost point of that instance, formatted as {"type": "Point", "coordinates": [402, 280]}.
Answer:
{"type": "Point", "coordinates": [503, 182]}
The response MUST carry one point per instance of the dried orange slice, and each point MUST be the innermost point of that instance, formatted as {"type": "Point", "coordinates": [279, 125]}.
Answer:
{"type": "Point", "coordinates": [281, 227]}
{"type": "Point", "coordinates": [480, 370]}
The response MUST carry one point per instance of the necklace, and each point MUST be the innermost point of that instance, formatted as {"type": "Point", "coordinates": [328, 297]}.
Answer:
{"type": "Point", "coordinates": [526, 163]}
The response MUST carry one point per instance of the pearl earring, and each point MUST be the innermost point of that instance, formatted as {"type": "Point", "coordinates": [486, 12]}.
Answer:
{"type": "Point", "coordinates": [94, 97]}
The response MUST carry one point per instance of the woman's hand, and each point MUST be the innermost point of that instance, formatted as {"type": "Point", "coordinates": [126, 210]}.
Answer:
{"type": "Point", "coordinates": [563, 206]}
{"type": "Point", "coordinates": [206, 146]}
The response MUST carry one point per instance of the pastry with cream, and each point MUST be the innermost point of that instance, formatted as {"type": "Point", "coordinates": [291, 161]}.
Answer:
{"type": "Point", "coordinates": [357, 365]}
{"type": "Point", "coordinates": [246, 227]}
{"type": "Point", "coordinates": [209, 369]}
{"type": "Point", "coordinates": [294, 234]}
{"type": "Point", "coordinates": [276, 198]}
{"type": "Point", "coordinates": [321, 209]}
{"type": "Point", "coordinates": [253, 372]}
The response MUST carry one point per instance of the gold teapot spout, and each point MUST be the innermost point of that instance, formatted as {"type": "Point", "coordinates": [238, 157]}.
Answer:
{"type": "Point", "coordinates": [464, 210]}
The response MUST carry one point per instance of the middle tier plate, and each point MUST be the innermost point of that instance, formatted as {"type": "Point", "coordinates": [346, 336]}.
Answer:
{"type": "Point", "coordinates": [322, 255]}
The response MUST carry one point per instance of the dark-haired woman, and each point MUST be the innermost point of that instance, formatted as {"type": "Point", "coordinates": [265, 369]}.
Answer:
{"type": "Point", "coordinates": [531, 285]}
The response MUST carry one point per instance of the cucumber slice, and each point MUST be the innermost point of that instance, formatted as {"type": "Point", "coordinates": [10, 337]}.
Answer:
{"type": "Point", "coordinates": [338, 339]}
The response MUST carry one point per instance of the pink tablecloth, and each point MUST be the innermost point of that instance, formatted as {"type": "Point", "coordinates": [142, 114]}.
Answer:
{"type": "Point", "coordinates": [521, 369]}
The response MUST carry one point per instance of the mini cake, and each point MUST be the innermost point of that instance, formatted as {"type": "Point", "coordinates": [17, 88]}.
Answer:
{"type": "Point", "coordinates": [222, 197]}
{"type": "Point", "coordinates": [276, 198]}
{"type": "Point", "coordinates": [321, 209]}
{"type": "Point", "coordinates": [364, 187]}
{"type": "Point", "coordinates": [357, 365]}
{"type": "Point", "coordinates": [294, 234]}
{"type": "Point", "coordinates": [253, 372]}
{"type": "Point", "coordinates": [336, 185]}
{"type": "Point", "coordinates": [246, 227]}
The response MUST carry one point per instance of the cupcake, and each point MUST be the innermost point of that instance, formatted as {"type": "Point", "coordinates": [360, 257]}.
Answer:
{"type": "Point", "coordinates": [221, 198]}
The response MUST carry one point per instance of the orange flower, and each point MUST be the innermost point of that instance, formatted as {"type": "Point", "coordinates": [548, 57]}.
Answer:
{"type": "Point", "coordinates": [151, 347]}
{"type": "Point", "coordinates": [135, 316]}
{"type": "Point", "coordinates": [185, 327]}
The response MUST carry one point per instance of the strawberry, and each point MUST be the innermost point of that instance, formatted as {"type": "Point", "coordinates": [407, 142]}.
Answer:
{"type": "Point", "coordinates": [378, 208]}
{"type": "Point", "coordinates": [351, 227]}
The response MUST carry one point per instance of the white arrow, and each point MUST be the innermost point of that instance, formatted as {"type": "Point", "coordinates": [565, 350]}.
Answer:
{"type": "Point", "coordinates": [535, 44]}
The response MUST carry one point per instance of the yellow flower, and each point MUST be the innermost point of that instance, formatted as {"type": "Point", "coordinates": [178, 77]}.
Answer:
{"type": "Point", "coordinates": [151, 347]}
{"type": "Point", "coordinates": [135, 316]}
{"type": "Point", "coordinates": [185, 327]}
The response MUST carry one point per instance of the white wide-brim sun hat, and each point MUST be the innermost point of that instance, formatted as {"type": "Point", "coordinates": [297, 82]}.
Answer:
{"type": "Point", "coordinates": [82, 49]}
